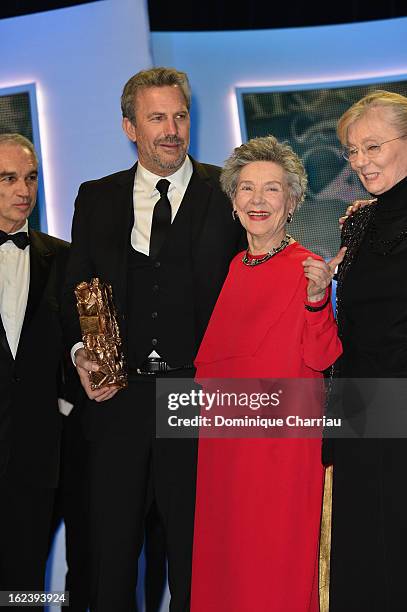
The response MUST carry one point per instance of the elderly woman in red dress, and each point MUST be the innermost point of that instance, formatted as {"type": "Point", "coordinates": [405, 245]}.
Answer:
{"type": "Point", "coordinates": [259, 500]}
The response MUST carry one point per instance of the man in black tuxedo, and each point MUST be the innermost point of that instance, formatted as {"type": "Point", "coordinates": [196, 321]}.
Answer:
{"type": "Point", "coordinates": [32, 266]}
{"type": "Point", "coordinates": [162, 235]}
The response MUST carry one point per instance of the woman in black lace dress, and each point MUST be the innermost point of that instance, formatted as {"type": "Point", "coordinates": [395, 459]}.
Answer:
{"type": "Point", "coordinates": [369, 512]}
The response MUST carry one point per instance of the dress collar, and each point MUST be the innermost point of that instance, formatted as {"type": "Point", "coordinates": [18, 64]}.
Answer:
{"type": "Point", "coordinates": [395, 198]}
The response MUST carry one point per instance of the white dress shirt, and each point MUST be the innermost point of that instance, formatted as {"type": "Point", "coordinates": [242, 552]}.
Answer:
{"type": "Point", "coordinates": [14, 285]}
{"type": "Point", "coordinates": [145, 197]}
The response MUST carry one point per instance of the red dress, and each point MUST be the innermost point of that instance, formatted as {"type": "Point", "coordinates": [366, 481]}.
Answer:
{"type": "Point", "coordinates": [258, 502]}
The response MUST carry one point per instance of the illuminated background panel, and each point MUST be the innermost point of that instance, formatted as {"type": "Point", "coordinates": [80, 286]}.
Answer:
{"type": "Point", "coordinates": [18, 114]}
{"type": "Point", "coordinates": [306, 118]}
{"type": "Point", "coordinates": [219, 62]}
{"type": "Point", "coordinates": [317, 73]}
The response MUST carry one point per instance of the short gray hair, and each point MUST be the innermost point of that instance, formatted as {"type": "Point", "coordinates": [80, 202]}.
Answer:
{"type": "Point", "coordinates": [266, 148]}
{"type": "Point", "coordinates": [155, 77]}
{"type": "Point", "coordinates": [19, 140]}
{"type": "Point", "coordinates": [379, 98]}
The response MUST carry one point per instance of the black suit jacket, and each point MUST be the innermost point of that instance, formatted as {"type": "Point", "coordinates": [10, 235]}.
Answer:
{"type": "Point", "coordinates": [31, 383]}
{"type": "Point", "coordinates": [101, 231]}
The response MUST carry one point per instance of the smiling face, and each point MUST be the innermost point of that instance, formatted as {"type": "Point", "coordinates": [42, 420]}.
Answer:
{"type": "Point", "coordinates": [18, 186]}
{"type": "Point", "coordinates": [389, 167]}
{"type": "Point", "coordinates": [262, 203]}
{"type": "Point", "coordinates": [161, 128]}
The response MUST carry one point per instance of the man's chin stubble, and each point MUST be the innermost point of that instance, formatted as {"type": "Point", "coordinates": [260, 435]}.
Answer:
{"type": "Point", "coordinates": [171, 164]}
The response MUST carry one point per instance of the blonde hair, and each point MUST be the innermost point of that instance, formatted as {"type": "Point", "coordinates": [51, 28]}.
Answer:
{"type": "Point", "coordinates": [379, 98]}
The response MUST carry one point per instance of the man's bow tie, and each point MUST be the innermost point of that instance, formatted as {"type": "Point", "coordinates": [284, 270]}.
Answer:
{"type": "Point", "coordinates": [20, 239]}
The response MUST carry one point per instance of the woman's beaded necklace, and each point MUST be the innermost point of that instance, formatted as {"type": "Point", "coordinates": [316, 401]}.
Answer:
{"type": "Point", "coordinates": [255, 261]}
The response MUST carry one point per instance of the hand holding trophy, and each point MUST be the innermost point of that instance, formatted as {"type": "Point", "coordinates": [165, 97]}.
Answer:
{"type": "Point", "coordinates": [100, 333]}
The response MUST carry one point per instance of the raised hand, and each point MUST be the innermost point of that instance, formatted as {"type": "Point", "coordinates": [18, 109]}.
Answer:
{"type": "Point", "coordinates": [319, 274]}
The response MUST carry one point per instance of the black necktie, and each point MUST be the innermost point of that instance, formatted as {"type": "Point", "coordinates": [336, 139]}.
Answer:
{"type": "Point", "coordinates": [20, 239]}
{"type": "Point", "coordinates": [161, 218]}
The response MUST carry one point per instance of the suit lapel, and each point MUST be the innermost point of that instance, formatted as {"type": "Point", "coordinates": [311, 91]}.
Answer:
{"type": "Point", "coordinates": [41, 259]}
{"type": "Point", "coordinates": [198, 196]}
{"type": "Point", "coordinates": [122, 225]}
{"type": "Point", "coordinates": [4, 342]}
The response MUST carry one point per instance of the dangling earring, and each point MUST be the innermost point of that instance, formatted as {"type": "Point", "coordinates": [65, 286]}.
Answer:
{"type": "Point", "coordinates": [290, 217]}
{"type": "Point", "coordinates": [235, 216]}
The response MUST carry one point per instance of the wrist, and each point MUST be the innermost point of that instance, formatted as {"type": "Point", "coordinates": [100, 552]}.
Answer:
{"type": "Point", "coordinates": [313, 299]}
{"type": "Point", "coordinates": [320, 304]}
{"type": "Point", "coordinates": [74, 351]}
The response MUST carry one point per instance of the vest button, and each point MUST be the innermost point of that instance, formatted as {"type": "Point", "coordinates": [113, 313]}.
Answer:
{"type": "Point", "coordinates": [155, 287]}
{"type": "Point", "coordinates": [157, 264]}
{"type": "Point", "coordinates": [154, 315]}
{"type": "Point", "coordinates": [154, 341]}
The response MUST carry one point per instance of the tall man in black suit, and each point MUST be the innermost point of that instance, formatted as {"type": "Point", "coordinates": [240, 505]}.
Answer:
{"type": "Point", "coordinates": [162, 235]}
{"type": "Point", "coordinates": [32, 266]}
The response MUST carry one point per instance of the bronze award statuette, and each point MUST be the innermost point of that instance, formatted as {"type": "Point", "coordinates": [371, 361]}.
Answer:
{"type": "Point", "coordinates": [100, 333]}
